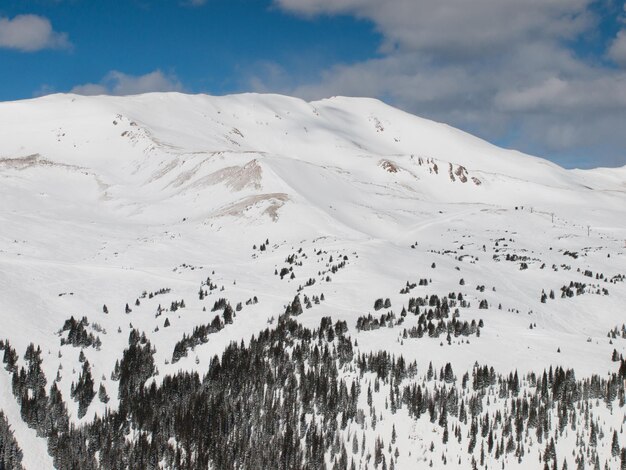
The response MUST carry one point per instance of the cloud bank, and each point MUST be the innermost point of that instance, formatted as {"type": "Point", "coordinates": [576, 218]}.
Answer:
{"type": "Point", "coordinates": [118, 83]}
{"type": "Point", "coordinates": [504, 69]}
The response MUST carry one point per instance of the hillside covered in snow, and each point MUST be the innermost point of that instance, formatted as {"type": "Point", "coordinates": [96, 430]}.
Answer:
{"type": "Point", "coordinates": [254, 281]}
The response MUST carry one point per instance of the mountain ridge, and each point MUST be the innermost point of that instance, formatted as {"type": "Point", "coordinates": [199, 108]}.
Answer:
{"type": "Point", "coordinates": [261, 199]}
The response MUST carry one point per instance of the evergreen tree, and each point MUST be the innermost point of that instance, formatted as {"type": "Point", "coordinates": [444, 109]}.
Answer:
{"type": "Point", "coordinates": [10, 451]}
{"type": "Point", "coordinates": [228, 314]}
{"type": "Point", "coordinates": [102, 394]}
{"type": "Point", "coordinates": [83, 392]}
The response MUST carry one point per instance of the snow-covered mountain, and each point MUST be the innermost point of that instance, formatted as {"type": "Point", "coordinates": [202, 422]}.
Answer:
{"type": "Point", "coordinates": [139, 203]}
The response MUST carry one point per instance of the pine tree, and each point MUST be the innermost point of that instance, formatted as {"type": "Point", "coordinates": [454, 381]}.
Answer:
{"type": "Point", "coordinates": [10, 452]}
{"type": "Point", "coordinates": [593, 438]}
{"type": "Point", "coordinates": [102, 394]}
{"type": "Point", "coordinates": [83, 391]}
{"type": "Point", "coordinates": [228, 314]}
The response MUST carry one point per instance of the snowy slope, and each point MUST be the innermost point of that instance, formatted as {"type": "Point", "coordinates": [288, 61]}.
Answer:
{"type": "Point", "coordinates": [103, 198]}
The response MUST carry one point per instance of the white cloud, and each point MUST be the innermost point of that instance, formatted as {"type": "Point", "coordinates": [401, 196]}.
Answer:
{"type": "Point", "coordinates": [118, 83]}
{"type": "Point", "coordinates": [617, 51]}
{"type": "Point", "coordinates": [29, 33]}
{"type": "Point", "coordinates": [457, 27]}
{"type": "Point", "coordinates": [493, 67]}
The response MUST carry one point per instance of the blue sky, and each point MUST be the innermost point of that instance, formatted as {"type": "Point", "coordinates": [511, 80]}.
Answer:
{"type": "Point", "coordinates": [211, 48]}
{"type": "Point", "coordinates": [545, 77]}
